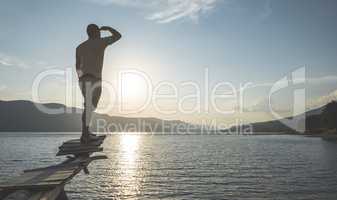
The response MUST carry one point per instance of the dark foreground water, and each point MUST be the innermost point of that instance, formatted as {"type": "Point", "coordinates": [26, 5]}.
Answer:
{"type": "Point", "coordinates": [189, 167]}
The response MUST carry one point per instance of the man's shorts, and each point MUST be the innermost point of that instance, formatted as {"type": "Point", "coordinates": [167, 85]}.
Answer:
{"type": "Point", "coordinates": [91, 88]}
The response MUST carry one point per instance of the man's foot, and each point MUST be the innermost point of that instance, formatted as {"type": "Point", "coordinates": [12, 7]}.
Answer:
{"type": "Point", "coordinates": [89, 138]}
{"type": "Point", "coordinates": [92, 134]}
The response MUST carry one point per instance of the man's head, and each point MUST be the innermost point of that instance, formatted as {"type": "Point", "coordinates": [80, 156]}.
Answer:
{"type": "Point", "coordinates": [93, 31]}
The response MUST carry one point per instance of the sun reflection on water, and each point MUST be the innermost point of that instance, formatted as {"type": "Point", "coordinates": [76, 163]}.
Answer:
{"type": "Point", "coordinates": [129, 164]}
{"type": "Point", "coordinates": [129, 145]}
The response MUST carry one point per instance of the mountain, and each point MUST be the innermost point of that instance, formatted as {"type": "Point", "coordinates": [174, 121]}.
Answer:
{"type": "Point", "coordinates": [24, 116]}
{"type": "Point", "coordinates": [316, 121]}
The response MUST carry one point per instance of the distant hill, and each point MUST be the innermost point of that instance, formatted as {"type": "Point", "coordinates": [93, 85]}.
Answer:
{"type": "Point", "coordinates": [23, 116]}
{"type": "Point", "coordinates": [316, 122]}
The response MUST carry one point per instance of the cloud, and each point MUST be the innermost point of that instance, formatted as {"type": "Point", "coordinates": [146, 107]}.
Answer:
{"type": "Point", "coordinates": [179, 9]}
{"type": "Point", "coordinates": [5, 63]}
{"type": "Point", "coordinates": [12, 61]}
{"type": "Point", "coordinates": [165, 11]}
{"type": "Point", "coordinates": [130, 3]}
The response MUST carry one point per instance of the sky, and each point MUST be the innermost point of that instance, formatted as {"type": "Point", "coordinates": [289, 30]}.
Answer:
{"type": "Point", "coordinates": [173, 42]}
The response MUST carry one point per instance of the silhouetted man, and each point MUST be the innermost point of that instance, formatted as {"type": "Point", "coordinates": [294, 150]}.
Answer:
{"type": "Point", "coordinates": [89, 64]}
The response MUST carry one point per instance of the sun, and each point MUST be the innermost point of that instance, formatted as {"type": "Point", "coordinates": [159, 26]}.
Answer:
{"type": "Point", "coordinates": [134, 88]}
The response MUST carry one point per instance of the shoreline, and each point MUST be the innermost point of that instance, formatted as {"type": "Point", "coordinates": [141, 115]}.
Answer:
{"type": "Point", "coordinates": [21, 133]}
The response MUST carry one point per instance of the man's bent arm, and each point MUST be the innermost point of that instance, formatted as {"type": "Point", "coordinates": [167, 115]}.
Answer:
{"type": "Point", "coordinates": [115, 35]}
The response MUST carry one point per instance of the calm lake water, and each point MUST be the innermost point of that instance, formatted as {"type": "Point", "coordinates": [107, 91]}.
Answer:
{"type": "Point", "coordinates": [188, 167]}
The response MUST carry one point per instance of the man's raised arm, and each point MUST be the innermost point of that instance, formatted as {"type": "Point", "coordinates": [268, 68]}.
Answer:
{"type": "Point", "coordinates": [115, 35]}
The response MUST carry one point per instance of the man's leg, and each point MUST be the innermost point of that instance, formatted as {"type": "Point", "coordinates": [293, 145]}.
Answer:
{"type": "Point", "coordinates": [84, 86]}
{"type": "Point", "coordinates": [92, 91]}
{"type": "Point", "coordinates": [96, 95]}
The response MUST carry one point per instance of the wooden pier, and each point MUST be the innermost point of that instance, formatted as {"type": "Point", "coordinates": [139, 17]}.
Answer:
{"type": "Point", "coordinates": [48, 183]}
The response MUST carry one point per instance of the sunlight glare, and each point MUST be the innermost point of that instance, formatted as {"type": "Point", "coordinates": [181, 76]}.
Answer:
{"type": "Point", "coordinates": [133, 88]}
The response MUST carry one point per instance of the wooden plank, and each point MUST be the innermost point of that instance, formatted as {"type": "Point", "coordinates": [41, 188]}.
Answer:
{"type": "Point", "coordinates": [26, 177]}
{"type": "Point", "coordinates": [65, 164]}
{"type": "Point", "coordinates": [42, 179]}
{"type": "Point", "coordinates": [100, 138]}
{"type": "Point", "coordinates": [56, 176]}
{"type": "Point", "coordinates": [77, 152]}
{"type": "Point", "coordinates": [47, 195]}
{"type": "Point", "coordinates": [82, 150]}
{"type": "Point", "coordinates": [81, 145]}
{"type": "Point", "coordinates": [78, 141]}
{"type": "Point", "coordinates": [36, 186]}
{"type": "Point", "coordinates": [36, 196]}
{"type": "Point", "coordinates": [78, 147]}
{"type": "Point", "coordinates": [93, 143]}
{"type": "Point", "coordinates": [60, 175]}
{"type": "Point", "coordinates": [18, 195]}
